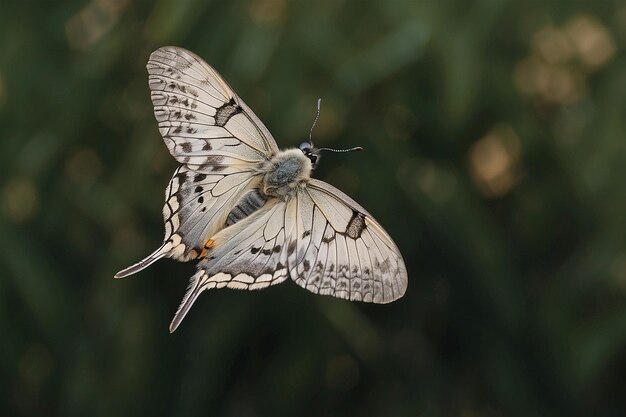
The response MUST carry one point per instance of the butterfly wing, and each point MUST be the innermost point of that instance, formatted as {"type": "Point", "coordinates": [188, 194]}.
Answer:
{"type": "Point", "coordinates": [204, 124]}
{"type": "Point", "coordinates": [341, 250]}
{"type": "Point", "coordinates": [249, 255]}
{"type": "Point", "coordinates": [216, 137]}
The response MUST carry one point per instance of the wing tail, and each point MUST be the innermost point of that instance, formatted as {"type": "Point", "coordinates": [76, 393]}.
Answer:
{"type": "Point", "coordinates": [147, 261]}
{"type": "Point", "coordinates": [193, 291]}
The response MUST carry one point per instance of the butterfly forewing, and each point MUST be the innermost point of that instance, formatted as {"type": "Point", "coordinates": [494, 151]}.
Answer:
{"type": "Point", "coordinates": [205, 125]}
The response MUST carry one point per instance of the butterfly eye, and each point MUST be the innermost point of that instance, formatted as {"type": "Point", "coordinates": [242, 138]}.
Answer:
{"type": "Point", "coordinates": [305, 147]}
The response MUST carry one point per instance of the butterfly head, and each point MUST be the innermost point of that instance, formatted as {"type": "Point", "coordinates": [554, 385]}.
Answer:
{"type": "Point", "coordinates": [310, 152]}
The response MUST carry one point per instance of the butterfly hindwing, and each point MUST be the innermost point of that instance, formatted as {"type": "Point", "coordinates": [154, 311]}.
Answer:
{"type": "Point", "coordinates": [250, 255]}
{"type": "Point", "coordinates": [196, 208]}
{"type": "Point", "coordinates": [198, 205]}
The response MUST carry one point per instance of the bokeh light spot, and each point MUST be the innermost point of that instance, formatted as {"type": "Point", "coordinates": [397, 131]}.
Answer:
{"type": "Point", "coordinates": [495, 161]}
{"type": "Point", "coordinates": [92, 22]}
{"type": "Point", "coordinates": [592, 41]}
{"type": "Point", "coordinates": [267, 11]}
{"type": "Point", "coordinates": [435, 181]}
{"type": "Point", "coordinates": [21, 199]}
{"type": "Point", "coordinates": [560, 60]}
{"type": "Point", "coordinates": [83, 166]}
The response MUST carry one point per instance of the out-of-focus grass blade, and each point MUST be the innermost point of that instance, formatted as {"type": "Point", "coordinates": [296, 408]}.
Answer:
{"type": "Point", "coordinates": [35, 279]}
{"type": "Point", "coordinates": [384, 57]}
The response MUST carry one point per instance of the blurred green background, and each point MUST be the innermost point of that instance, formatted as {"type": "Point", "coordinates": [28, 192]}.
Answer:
{"type": "Point", "coordinates": [495, 156]}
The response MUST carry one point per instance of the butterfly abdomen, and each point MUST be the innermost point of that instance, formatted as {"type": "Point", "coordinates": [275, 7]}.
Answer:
{"type": "Point", "coordinates": [284, 172]}
{"type": "Point", "coordinates": [249, 203]}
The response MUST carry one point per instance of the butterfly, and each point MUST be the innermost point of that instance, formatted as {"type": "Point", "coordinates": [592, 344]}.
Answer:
{"type": "Point", "coordinates": [249, 212]}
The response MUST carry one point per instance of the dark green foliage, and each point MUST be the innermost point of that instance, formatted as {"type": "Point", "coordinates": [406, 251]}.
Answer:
{"type": "Point", "coordinates": [495, 141]}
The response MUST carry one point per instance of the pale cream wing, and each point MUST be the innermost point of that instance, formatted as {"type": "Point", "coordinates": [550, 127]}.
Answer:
{"type": "Point", "coordinates": [204, 124]}
{"type": "Point", "coordinates": [249, 255]}
{"type": "Point", "coordinates": [220, 141]}
{"type": "Point", "coordinates": [196, 208]}
{"type": "Point", "coordinates": [341, 250]}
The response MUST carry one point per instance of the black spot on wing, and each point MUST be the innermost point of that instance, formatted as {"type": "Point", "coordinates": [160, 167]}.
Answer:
{"type": "Point", "coordinates": [383, 266]}
{"type": "Point", "coordinates": [328, 239]}
{"type": "Point", "coordinates": [214, 168]}
{"type": "Point", "coordinates": [212, 162]}
{"type": "Point", "coordinates": [182, 177]}
{"type": "Point", "coordinates": [291, 247]}
{"type": "Point", "coordinates": [356, 225]}
{"type": "Point", "coordinates": [224, 113]}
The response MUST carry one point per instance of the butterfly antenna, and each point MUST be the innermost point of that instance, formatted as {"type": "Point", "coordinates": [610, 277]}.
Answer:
{"type": "Point", "coordinates": [317, 116]}
{"type": "Point", "coordinates": [356, 148]}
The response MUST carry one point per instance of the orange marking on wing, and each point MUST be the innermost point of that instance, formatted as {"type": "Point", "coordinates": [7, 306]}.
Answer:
{"type": "Point", "coordinates": [206, 248]}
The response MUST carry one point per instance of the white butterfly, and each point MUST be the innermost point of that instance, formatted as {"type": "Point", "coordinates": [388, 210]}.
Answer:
{"type": "Point", "coordinates": [250, 212]}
